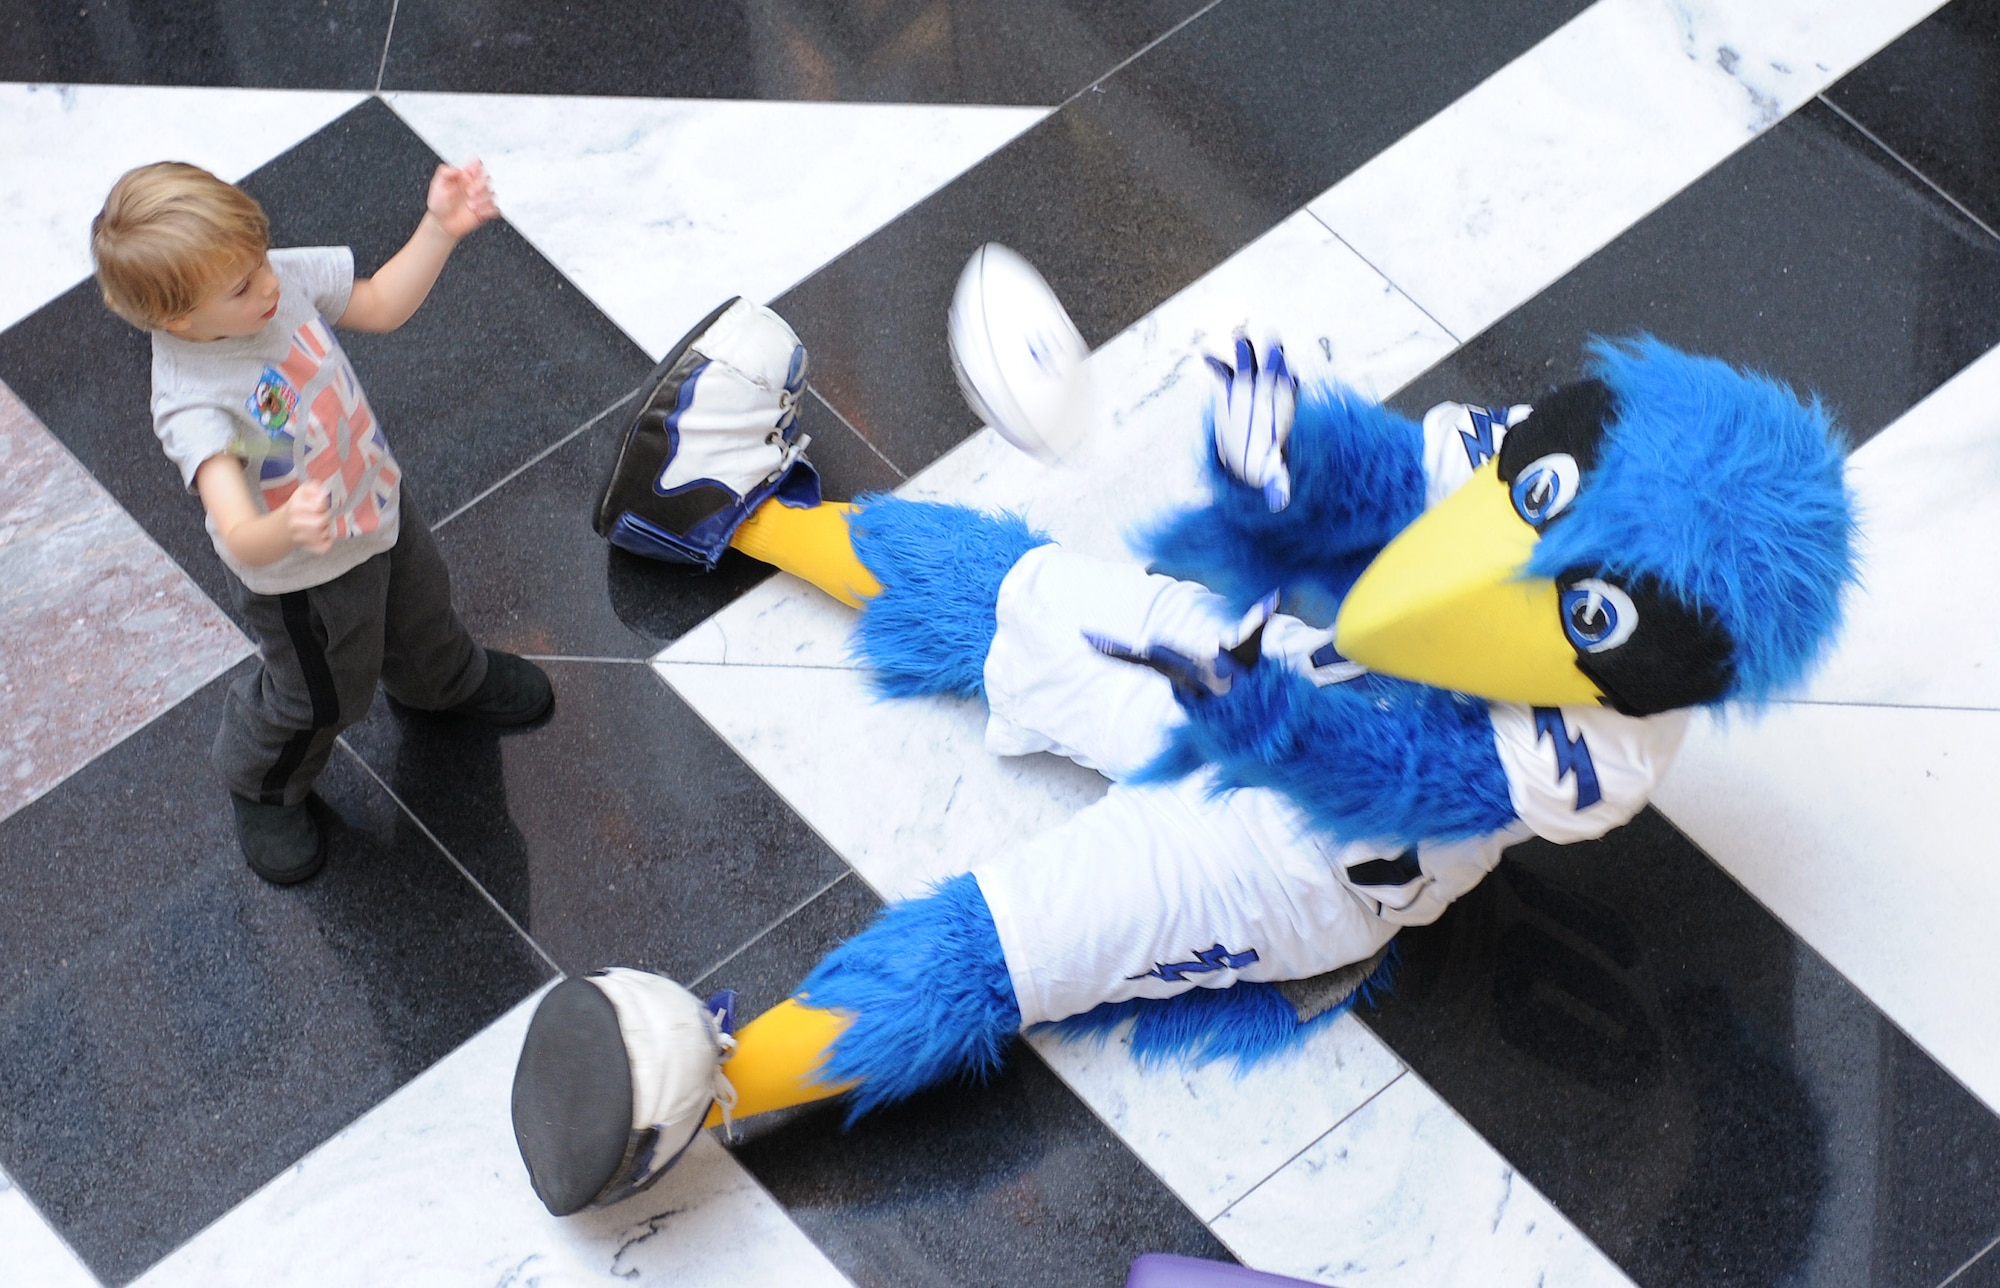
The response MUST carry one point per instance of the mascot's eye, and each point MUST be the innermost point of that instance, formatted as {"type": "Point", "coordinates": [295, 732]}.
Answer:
{"type": "Point", "coordinates": [1597, 616]}
{"type": "Point", "coordinates": [1545, 487]}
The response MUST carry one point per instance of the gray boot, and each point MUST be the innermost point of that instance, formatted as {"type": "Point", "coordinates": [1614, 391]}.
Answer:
{"type": "Point", "coordinates": [284, 844]}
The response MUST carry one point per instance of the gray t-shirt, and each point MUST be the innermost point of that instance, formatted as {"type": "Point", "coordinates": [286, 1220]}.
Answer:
{"type": "Point", "coordinates": [286, 400]}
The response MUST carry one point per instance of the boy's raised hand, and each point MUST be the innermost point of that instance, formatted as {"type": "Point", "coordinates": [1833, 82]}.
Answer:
{"type": "Point", "coordinates": [308, 518]}
{"type": "Point", "coordinates": [461, 197]}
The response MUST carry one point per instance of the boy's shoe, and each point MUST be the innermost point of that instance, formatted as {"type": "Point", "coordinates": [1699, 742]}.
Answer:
{"type": "Point", "coordinates": [284, 844]}
{"type": "Point", "coordinates": [716, 435]}
{"type": "Point", "coordinates": [515, 691]}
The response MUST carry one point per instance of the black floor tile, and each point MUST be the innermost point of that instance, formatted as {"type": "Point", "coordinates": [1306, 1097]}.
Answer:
{"type": "Point", "coordinates": [531, 575]}
{"type": "Point", "coordinates": [766, 972]}
{"type": "Point", "coordinates": [1934, 96]}
{"type": "Point", "coordinates": [505, 358]}
{"type": "Point", "coordinates": [1133, 191]}
{"type": "Point", "coordinates": [1035, 52]}
{"type": "Point", "coordinates": [620, 832]}
{"type": "Point", "coordinates": [173, 1031]}
{"type": "Point", "coordinates": [289, 44]}
{"type": "Point", "coordinates": [1693, 1086]}
{"type": "Point", "coordinates": [1809, 254]}
{"type": "Point", "coordinates": [1014, 1182]}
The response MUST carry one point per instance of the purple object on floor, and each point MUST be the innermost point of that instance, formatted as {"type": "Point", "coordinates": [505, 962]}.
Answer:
{"type": "Point", "coordinates": [1161, 1270]}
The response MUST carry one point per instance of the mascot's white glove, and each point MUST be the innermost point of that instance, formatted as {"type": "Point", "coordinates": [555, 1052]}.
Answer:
{"type": "Point", "coordinates": [1252, 413]}
{"type": "Point", "coordinates": [1307, 650]}
{"type": "Point", "coordinates": [1201, 657]}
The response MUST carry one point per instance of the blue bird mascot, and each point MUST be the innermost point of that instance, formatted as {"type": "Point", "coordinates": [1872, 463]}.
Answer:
{"type": "Point", "coordinates": [1379, 654]}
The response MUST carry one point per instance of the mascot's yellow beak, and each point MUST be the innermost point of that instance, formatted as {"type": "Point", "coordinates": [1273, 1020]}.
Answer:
{"type": "Point", "coordinates": [1446, 603]}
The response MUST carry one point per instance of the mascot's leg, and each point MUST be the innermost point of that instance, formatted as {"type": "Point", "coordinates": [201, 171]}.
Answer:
{"type": "Point", "coordinates": [602, 1091]}
{"type": "Point", "coordinates": [927, 575]}
{"type": "Point", "coordinates": [923, 994]}
{"type": "Point", "coordinates": [810, 542]}
{"type": "Point", "coordinates": [920, 996]}
{"type": "Point", "coordinates": [621, 1068]}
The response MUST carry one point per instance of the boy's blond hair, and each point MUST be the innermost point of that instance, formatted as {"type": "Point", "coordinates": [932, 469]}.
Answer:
{"type": "Point", "coordinates": [167, 236]}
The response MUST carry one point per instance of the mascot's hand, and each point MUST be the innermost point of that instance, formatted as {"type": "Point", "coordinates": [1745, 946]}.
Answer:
{"type": "Point", "coordinates": [1202, 664]}
{"type": "Point", "coordinates": [1307, 650]}
{"type": "Point", "coordinates": [1252, 414]}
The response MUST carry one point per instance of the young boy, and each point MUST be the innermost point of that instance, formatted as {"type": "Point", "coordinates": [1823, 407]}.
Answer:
{"type": "Point", "coordinates": [332, 567]}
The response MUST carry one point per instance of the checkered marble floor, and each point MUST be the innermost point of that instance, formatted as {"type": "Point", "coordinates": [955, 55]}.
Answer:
{"type": "Point", "coordinates": [1750, 1038]}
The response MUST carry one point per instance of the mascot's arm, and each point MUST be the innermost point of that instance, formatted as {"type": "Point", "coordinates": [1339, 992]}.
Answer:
{"type": "Point", "coordinates": [1357, 479]}
{"type": "Point", "coordinates": [1376, 758]}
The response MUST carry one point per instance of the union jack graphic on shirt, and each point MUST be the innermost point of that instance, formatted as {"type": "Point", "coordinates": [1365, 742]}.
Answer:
{"type": "Point", "coordinates": [331, 438]}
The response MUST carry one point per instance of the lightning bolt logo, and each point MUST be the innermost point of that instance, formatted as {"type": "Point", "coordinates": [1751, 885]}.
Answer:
{"type": "Point", "coordinates": [1572, 755]}
{"type": "Point", "coordinates": [1208, 959]}
{"type": "Point", "coordinates": [1479, 446]}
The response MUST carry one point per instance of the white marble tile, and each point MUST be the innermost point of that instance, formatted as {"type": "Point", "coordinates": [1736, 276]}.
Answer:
{"type": "Point", "coordinates": [31, 1250]}
{"type": "Point", "coordinates": [1921, 629]}
{"type": "Point", "coordinates": [660, 209]}
{"type": "Point", "coordinates": [783, 622]}
{"type": "Point", "coordinates": [1870, 832]}
{"type": "Point", "coordinates": [66, 144]}
{"type": "Point", "coordinates": [428, 1188]}
{"type": "Point", "coordinates": [1212, 1133]}
{"type": "Point", "coordinates": [1556, 154]}
{"type": "Point", "coordinates": [903, 790]}
{"type": "Point", "coordinates": [1404, 1195]}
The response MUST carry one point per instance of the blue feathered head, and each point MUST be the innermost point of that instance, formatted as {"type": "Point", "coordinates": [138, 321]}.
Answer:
{"type": "Point", "coordinates": [1716, 493]}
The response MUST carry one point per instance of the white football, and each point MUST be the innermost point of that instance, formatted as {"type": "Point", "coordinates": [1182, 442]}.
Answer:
{"type": "Point", "coordinates": [1018, 357]}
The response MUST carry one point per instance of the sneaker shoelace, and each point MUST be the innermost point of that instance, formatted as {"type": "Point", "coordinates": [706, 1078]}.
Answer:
{"type": "Point", "coordinates": [723, 1089]}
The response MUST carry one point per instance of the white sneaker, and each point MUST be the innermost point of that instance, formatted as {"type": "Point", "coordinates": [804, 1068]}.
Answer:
{"type": "Point", "coordinates": [618, 1073]}
{"type": "Point", "coordinates": [715, 435]}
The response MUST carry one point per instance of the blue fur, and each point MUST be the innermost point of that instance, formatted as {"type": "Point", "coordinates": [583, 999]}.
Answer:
{"type": "Point", "coordinates": [1246, 1023]}
{"type": "Point", "coordinates": [1725, 488]}
{"type": "Point", "coordinates": [940, 567]}
{"type": "Point", "coordinates": [929, 991]}
{"type": "Point", "coordinates": [1374, 759]}
{"type": "Point", "coordinates": [1357, 480]}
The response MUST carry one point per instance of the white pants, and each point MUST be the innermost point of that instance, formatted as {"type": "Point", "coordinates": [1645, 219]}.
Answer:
{"type": "Point", "coordinates": [1160, 888]}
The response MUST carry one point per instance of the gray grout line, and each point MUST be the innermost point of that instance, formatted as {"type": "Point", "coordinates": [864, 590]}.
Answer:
{"type": "Point", "coordinates": [1959, 1273]}
{"type": "Point", "coordinates": [1398, 286]}
{"type": "Point", "coordinates": [1901, 160]}
{"type": "Point", "coordinates": [382, 66]}
{"type": "Point", "coordinates": [1210, 1222]}
{"type": "Point", "coordinates": [865, 441]}
{"type": "Point", "coordinates": [1131, 58]}
{"type": "Point", "coordinates": [754, 666]}
{"type": "Point", "coordinates": [445, 850]}
{"type": "Point", "coordinates": [541, 456]}
{"type": "Point", "coordinates": [760, 936]}
{"type": "Point", "coordinates": [1875, 706]}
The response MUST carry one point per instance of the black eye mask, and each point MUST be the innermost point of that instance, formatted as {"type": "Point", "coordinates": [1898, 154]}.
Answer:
{"type": "Point", "coordinates": [1569, 421]}
{"type": "Point", "coordinates": [1645, 650]}
{"type": "Point", "coordinates": [1647, 654]}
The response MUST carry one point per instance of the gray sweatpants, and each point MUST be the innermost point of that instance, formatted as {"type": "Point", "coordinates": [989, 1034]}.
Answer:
{"type": "Point", "coordinates": [324, 648]}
